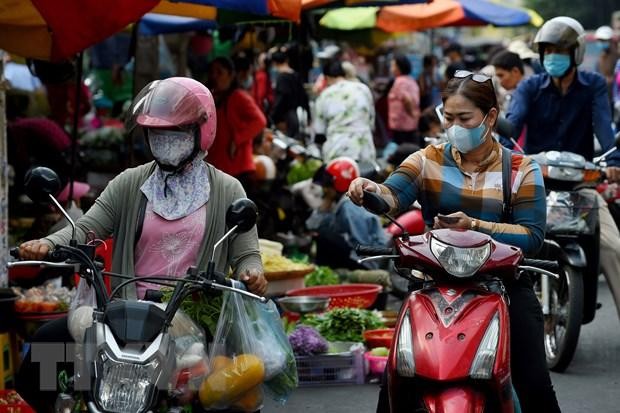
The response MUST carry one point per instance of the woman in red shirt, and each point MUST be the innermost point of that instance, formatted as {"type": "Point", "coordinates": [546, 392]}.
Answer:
{"type": "Point", "coordinates": [239, 122]}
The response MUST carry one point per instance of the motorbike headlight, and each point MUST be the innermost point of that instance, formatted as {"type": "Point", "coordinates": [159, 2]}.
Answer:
{"type": "Point", "coordinates": [405, 363]}
{"type": "Point", "coordinates": [460, 262]}
{"type": "Point", "coordinates": [482, 366]}
{"type": "Point", "coordinates": [125, 386]}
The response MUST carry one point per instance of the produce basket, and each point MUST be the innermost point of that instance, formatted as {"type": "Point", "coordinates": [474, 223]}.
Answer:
{"type": "Point", "coordinates": [279, 282]}
{"type": "Point", "coordinates": [379, 338]}
{"type": "Point", "coordinates": [347, 295]}
{"type": "Point", "coordinates": [285, 275]}
{"type": "Point", "coordinates": [331, 369]}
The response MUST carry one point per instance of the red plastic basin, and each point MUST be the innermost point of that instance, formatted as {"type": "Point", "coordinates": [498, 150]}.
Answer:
{"type": "Point", "coordinates": [379, 338]}
{"type": "Point", "coordinates": [347, 295]}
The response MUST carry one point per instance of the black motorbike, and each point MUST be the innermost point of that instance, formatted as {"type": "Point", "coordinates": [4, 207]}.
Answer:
{"type": "Point", "coordinates": [573, 238]}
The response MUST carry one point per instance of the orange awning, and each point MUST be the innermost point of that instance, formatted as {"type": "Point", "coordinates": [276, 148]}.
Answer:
{"type": "Point", "coordinates": [413, 17]}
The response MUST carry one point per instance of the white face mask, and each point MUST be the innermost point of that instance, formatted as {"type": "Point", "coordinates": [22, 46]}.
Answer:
{"type": "Point", "coordinates": [170, 148]}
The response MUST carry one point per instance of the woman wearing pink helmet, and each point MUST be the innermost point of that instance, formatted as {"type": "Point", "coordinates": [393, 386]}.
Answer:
{"type": "Point", "coordinates": [166, 215]}
{"type": "Point", "coordinates": [177, 202]}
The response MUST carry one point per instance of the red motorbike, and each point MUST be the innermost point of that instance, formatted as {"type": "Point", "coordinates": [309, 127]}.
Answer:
{"type": "Point", "coordinates": [452, 341]}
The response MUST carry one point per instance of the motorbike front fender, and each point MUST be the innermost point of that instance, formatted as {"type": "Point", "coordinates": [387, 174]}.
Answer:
{"type": "Point", "coordinates": [575, 255]}
{"type": "Point", "coordinates": [461, 399]}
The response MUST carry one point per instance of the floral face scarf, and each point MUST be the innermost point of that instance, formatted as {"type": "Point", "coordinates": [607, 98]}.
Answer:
{"type": "Point", "coordinates": [176, 194]}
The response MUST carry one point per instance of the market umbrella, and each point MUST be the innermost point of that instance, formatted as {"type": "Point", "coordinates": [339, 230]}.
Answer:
{"type": "Point", "coordinates": [54, 30]}
{"type": "Point", "coordinates": [287, 9]}
{"type": "Point", "coordinates": [315, 4]}
{"type": "Point", "coordinates": [152, 24]}
{"type": "Point", "coordinates": [443, 13]}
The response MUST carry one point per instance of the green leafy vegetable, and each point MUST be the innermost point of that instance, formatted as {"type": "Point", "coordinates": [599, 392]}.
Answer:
{"type": "Point", "coordinates": [203, 310]}
{"type": "Point", "coordinates": [321, 276]}
{"type": "Point", "coordinates": [344, 324]}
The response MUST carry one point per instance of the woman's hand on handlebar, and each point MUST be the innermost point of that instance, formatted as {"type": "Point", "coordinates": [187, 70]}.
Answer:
{"type": "Point", "coordinates": [255, 281]}
{"type": "Point", "coordinates": [613, 174]}
{"type": "Point", "coordinates": [357, 188]}
{"type": "Point", "coordinates": [34, 250]}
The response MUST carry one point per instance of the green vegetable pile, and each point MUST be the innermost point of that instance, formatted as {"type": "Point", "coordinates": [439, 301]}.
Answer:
{"type": "Point", "coordinates": [203, 310]}
{"type": "Point", "coordinates": [321, 276]}
{"type": "Point", "coordinates": [302, 170]}
{"type": "Point", "coordinates": [344, 324]}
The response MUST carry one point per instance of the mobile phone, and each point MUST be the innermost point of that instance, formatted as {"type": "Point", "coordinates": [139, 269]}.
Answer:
{"type": "Point", "coordinates": [447, 220]}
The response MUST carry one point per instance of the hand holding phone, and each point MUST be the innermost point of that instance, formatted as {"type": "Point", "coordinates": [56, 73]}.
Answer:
{"type": "Point", "coordinates": [448, 219]}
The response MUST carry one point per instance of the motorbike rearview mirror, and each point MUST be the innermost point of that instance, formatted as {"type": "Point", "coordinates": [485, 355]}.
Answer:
{"type": "Point", "coordinates": [375, 203]}
{"type": "Point", "coordinates": [241, 214]}
{"type": "Point", "coordinates": [40, 183]}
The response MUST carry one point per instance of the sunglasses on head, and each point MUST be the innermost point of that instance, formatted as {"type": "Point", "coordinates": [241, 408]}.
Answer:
{"type": "Point", "coordinates": [476, 77]}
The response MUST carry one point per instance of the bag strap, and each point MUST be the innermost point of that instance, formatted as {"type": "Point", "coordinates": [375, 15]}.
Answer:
{"type": "Point", "coordinates": [506, 185]}
{"type": "Point", "coordinates": [141, 214]}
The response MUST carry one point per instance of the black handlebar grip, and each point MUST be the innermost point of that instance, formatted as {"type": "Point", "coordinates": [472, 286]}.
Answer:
{"type": "Point", "coordinates": [369, 251]}
{"type": "Point", "coordinates": [14, 252]}
{"type": "Point", "coordinates": [551, 266]}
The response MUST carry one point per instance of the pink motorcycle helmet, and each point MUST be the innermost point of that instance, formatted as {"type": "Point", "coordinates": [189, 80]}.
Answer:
{"type": "Point", "coordinates": [176, 102]}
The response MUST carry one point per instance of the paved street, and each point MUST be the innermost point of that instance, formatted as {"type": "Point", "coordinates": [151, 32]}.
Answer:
{"type": "Point", "coordinates": [591, 384]}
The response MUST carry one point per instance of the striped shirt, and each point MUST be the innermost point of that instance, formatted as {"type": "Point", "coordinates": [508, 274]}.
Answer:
{"type": "Point", "coordinates": [434, 177]}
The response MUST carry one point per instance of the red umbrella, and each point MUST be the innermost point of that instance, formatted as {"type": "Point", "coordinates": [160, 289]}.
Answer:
{"type": "Point", "coordinates": [53, 30]}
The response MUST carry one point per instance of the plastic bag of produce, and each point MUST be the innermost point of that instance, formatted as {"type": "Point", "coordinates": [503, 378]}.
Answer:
{"type": "Point", "coordinates": [236, 371]}
{"type": "Point", "coordinates": [250, 351]}
{"type": "Point", "coordinates": [192, 364]}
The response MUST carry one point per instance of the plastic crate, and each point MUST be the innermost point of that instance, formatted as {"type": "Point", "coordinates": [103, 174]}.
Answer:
{"type": "Point", "coordinates": [331, 369]}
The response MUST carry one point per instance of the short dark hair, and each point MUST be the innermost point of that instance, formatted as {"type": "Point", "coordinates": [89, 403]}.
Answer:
{"type": "Point", "coordinates": [428, 117]}
{"type": "Point", "coordinates": [428, 60]}
{"type": "Point", "coordinates": [279, 57]}
{"type": "Point", "coordinates": [507, 60]}
{"type": "Point", "coordinates": [482, 95]}
{"type": "Point", "coordinates": [333, 68]}
{"type": "Point", "coordinates": [403, 64]}
{"type": "Point", "coordinates": [242, 62]}
{"type": "Point", "coordinates": [226, 63]}
{"type": "Point", "coordinates": [453, 47]}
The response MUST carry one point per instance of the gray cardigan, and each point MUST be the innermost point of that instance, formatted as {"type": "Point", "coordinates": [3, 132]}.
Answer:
{"type": "Point", "coordinates": [115, 213]}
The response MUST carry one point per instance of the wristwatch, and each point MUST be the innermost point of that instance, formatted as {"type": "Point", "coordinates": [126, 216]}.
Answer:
{"type": "Point", "coordinates": [473, 224]}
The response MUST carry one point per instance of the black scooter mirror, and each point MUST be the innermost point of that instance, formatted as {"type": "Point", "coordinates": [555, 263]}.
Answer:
{"type": "Point", "coordinates": [40, 183]}
{"type": "Point", "coordinates": [375, 203]}
{"type": "Point", "coordinates": [243, 214]}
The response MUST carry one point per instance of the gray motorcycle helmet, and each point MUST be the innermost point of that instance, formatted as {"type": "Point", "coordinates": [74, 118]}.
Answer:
{"type": "Point", "coordinates": [564, 32]}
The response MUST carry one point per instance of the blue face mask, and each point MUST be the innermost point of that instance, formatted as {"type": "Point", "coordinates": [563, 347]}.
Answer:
{"type": "Point", "coordinates": [602, 46]}
{"type": "Point", "coordinates": [556, 64]}
{"type": "Point", "coordinates": [464, 139]}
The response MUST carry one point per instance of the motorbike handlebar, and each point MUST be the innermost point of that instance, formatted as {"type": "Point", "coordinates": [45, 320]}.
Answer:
{"type": "Point", "coordinates": [552, 266]}
{"type": "Point", "coordinates": [368, 250]}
